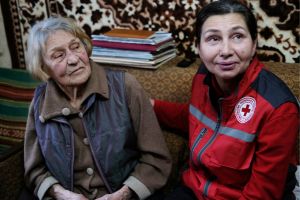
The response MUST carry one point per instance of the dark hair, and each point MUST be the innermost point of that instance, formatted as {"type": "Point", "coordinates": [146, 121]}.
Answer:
{"type": "Point", "coordinates": [223, 7]}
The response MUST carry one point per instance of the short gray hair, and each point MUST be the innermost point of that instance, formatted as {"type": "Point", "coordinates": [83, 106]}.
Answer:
{"type": "Point", "coordinates": [38, 37]}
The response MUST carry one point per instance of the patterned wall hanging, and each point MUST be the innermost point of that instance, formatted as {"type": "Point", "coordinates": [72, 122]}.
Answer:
{"type": "Point", "coordinates": [278, 22]}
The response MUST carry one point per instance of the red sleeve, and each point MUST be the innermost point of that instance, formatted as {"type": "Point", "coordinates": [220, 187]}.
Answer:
{"type": "Point", "coordinates": [172, 115]}
{"type": "Point", "coordinates": [275, 152]}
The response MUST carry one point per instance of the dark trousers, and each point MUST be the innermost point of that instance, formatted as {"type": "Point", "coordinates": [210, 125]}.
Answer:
{"type": "Point", "coordinates": [27, 195]}
{"type": "Point", "coordinates": [159, 195]}
{"type": "Point", "coordinates": [181, 192]}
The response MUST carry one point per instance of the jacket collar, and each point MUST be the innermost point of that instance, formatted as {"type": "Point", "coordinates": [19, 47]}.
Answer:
{"type": "Point", "coordinates": [56, 102]}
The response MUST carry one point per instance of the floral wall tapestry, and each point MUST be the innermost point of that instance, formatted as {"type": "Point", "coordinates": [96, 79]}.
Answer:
{"type": "Point", "coordinates": [278, 22]}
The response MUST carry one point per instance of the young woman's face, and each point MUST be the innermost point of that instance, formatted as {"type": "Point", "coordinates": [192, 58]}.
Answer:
{"type": "Point", "coordinates": [226, 46]}
{"type": "Point", "coordinates": [66, 59]}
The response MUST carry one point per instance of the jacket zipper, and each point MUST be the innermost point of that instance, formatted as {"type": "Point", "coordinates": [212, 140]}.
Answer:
{"type": "Point", "coordinates": [199, 137]}
{"type": "Point", "coordinates": [206, 186]}
{"type": "Point", "coordinates": [210, 141]}
{"type": "Point", "coordinates": [215, 132]}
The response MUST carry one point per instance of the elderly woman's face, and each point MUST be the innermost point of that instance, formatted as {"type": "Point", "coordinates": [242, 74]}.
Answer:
{"type": "Point", "coordinates": [66, 59]}
{"type": "Point", "coordinates": [226, 46]}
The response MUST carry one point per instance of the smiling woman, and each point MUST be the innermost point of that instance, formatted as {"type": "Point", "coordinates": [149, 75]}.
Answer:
{"type": "Point", "coordinates": [242, 120]}
{"type": "Point", "coordinates": [226, 51]}
{"type": "Point", "coordinates": [88, 132]}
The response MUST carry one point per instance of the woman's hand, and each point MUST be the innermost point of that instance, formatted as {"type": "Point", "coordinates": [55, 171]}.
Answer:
{"type": "Point", "coordinates": [152, 102]}
{"type": "Point", "coordinates": [122, 194]}
{"type": "Point", "coordinates": [60, 193]}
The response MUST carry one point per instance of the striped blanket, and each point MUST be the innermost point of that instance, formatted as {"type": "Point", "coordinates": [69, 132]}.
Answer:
{"type": "Point", "coordinates": [16, 92]}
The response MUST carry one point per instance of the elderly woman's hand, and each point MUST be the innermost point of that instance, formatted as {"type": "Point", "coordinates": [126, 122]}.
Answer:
{"type": "Point", "coordinates": [122, 194]}
{"type": "Point", "coordinates": [60, 193]}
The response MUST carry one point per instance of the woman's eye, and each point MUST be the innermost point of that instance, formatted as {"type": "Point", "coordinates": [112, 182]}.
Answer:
{"type": "Point", "coordinates": [57, 55]}
{"type": "Point", "coordinates": [213, 38]}
{"type": "Point", "coordinates": [237, 36]}
{"type": "Point", "coordinates": [75, 46]}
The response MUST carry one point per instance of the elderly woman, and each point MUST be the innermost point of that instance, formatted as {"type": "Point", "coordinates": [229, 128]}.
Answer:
{"type": "Point", "coordinates": [91, 132]}
{"type": "Point", "coordinates": [242, 120]}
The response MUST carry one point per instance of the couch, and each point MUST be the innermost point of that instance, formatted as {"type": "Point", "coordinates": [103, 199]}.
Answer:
{"type": "Point", "coordinates": [168, 82]}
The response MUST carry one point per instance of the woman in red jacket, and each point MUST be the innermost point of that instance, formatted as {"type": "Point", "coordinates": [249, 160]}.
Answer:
{"type": "Point", "coordinates": [242, 120]}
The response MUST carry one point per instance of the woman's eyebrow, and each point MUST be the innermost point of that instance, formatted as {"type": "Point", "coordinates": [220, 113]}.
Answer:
{"type": "Point", "coordinates": [60, 47]}
{"type": "Point", "coordinates": [211, 30]}
{"type": "Point", "coordinates": [239, 27]}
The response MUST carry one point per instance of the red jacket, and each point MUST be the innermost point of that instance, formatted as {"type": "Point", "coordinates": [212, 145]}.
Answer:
{"type": "Point", "coordinates": [240, 146]}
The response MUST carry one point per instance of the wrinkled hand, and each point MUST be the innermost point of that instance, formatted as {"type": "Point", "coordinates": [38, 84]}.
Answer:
{"type": "Point", "coordinates": [60, 193]}
{"type": "Point", "coordinates": [122, 194]}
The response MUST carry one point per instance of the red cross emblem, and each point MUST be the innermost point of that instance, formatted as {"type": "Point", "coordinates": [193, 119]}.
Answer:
{"type": "Point", "coordinates": [244, 109]}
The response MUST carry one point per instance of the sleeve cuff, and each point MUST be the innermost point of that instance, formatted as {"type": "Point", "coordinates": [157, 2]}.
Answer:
{"type": "Point", "coordinates": [138, 187]}
{"type": "Point", "coordinates": [46, 184]}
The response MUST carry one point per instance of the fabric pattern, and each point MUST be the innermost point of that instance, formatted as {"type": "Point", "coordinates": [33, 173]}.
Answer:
{"type": "Point", "coordinates": [278, 22]}
{"type": "Point", "coordinates": [16, 92]}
